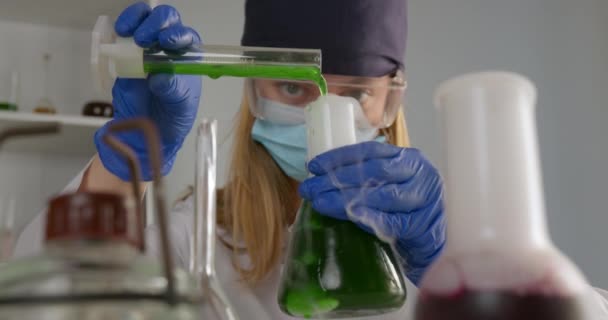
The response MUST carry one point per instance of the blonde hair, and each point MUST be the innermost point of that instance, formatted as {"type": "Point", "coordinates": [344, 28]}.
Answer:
{"type": "Point", "coordinates": [260, 201]}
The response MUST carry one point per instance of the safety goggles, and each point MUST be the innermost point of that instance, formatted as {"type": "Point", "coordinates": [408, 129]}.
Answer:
{"type": "Point", "coordinates": [283, 101]}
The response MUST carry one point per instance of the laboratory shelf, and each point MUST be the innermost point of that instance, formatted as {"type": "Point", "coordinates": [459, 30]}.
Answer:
{"type": "Point", "coordinates": [75, 138]}
{"type": "Point", "coordinates": [80, 14]}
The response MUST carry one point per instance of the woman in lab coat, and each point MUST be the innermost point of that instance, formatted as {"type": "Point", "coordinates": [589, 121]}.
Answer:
{"type": "Point", "coordinates": [363, 45]}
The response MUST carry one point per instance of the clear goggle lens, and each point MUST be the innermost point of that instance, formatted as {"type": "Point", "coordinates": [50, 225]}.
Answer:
{"type": "Point", "coordinates": [283, 101]}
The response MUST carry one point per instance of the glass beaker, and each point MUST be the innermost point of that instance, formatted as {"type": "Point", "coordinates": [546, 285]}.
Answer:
{"type": "Point", "coordinates": [499, 261]}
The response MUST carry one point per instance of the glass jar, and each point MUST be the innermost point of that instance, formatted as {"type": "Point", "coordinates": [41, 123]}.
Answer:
{"type": "Point", "coordinates": [93, 267]}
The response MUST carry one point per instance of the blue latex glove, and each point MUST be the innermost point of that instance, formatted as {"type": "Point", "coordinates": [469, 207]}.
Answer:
{"type": "Point", "coordinates": [392, 192]}
{"type": "Point", "coordinates": [171, 102]}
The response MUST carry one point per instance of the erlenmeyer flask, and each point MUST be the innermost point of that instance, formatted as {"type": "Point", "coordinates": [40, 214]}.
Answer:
{"type": "Point", "coordinates": [499, 262]}
{"type": "Point", "coordinates": [333, 268]}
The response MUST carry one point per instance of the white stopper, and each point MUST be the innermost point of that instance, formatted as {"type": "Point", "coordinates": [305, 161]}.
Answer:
{"type": "Point", "coordinates": [494, 193]}
{"type": "Point", "coordinates": [113, 57]}
{"type": "Point", "coordinates": [331, 123]}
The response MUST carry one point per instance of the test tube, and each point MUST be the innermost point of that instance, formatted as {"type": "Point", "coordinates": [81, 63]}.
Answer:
{"type": "Point", "coordinates": [202, 249]}
{"type": "Point", "coordinates": [113, 57]}
{"type": "Point", "coordinates": [236, 61]}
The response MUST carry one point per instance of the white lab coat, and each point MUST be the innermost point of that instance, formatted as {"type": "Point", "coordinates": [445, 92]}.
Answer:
{"type": "Point", "coordinates": [250, 303]}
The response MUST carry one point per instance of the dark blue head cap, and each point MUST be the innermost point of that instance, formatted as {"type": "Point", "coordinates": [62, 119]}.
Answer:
{"type": "Point", "coordinates": [357, 37]}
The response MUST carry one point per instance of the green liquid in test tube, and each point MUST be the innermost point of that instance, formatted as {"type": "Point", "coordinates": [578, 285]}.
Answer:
{"type": "Point", "coordinates": [246, 62]}
{"type": "Point", "coordinates": [114, 57]}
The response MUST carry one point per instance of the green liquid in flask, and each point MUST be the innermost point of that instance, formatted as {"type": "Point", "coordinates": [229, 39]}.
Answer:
{"type": "Point", "coordinates": [336, 270]}
{"type": "Point", "coordinates": [214, 71]}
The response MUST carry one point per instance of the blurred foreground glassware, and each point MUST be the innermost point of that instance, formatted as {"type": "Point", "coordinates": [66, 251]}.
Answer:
{"type": "Point", "coordinates": [93, 265]}
{"type": "Point", "coordinates": [499, 261]}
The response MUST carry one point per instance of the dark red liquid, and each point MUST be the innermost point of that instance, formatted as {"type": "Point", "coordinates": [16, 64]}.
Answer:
{"type": "Point", "coordinates": [497, 306]}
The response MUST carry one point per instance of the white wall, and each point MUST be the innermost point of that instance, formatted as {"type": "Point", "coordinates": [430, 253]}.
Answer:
{"type": "Point", "coordinates": [22, 49]}
{"type": "Point", "coordinates": [32, 178]}
{"type": "Point", "coordinates": [578, 76]}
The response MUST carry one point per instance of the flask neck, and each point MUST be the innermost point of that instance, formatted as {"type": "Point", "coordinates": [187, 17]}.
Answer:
{"type": "Point", "coordinates": [494, 194]}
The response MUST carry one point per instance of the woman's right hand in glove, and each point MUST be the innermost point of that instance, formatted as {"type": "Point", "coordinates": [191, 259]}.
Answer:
{"type": "Point", "coordinates": [170, 101]}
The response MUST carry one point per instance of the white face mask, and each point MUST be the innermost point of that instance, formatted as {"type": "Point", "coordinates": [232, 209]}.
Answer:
{"type": "Point", "coordinates": [279, 113]}
{"type": "Point", "coordinates": [288, 115]}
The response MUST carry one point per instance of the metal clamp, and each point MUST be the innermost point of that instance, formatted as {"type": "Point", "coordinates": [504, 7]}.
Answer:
{"type": "Point", "coordinates": [153, 144]}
